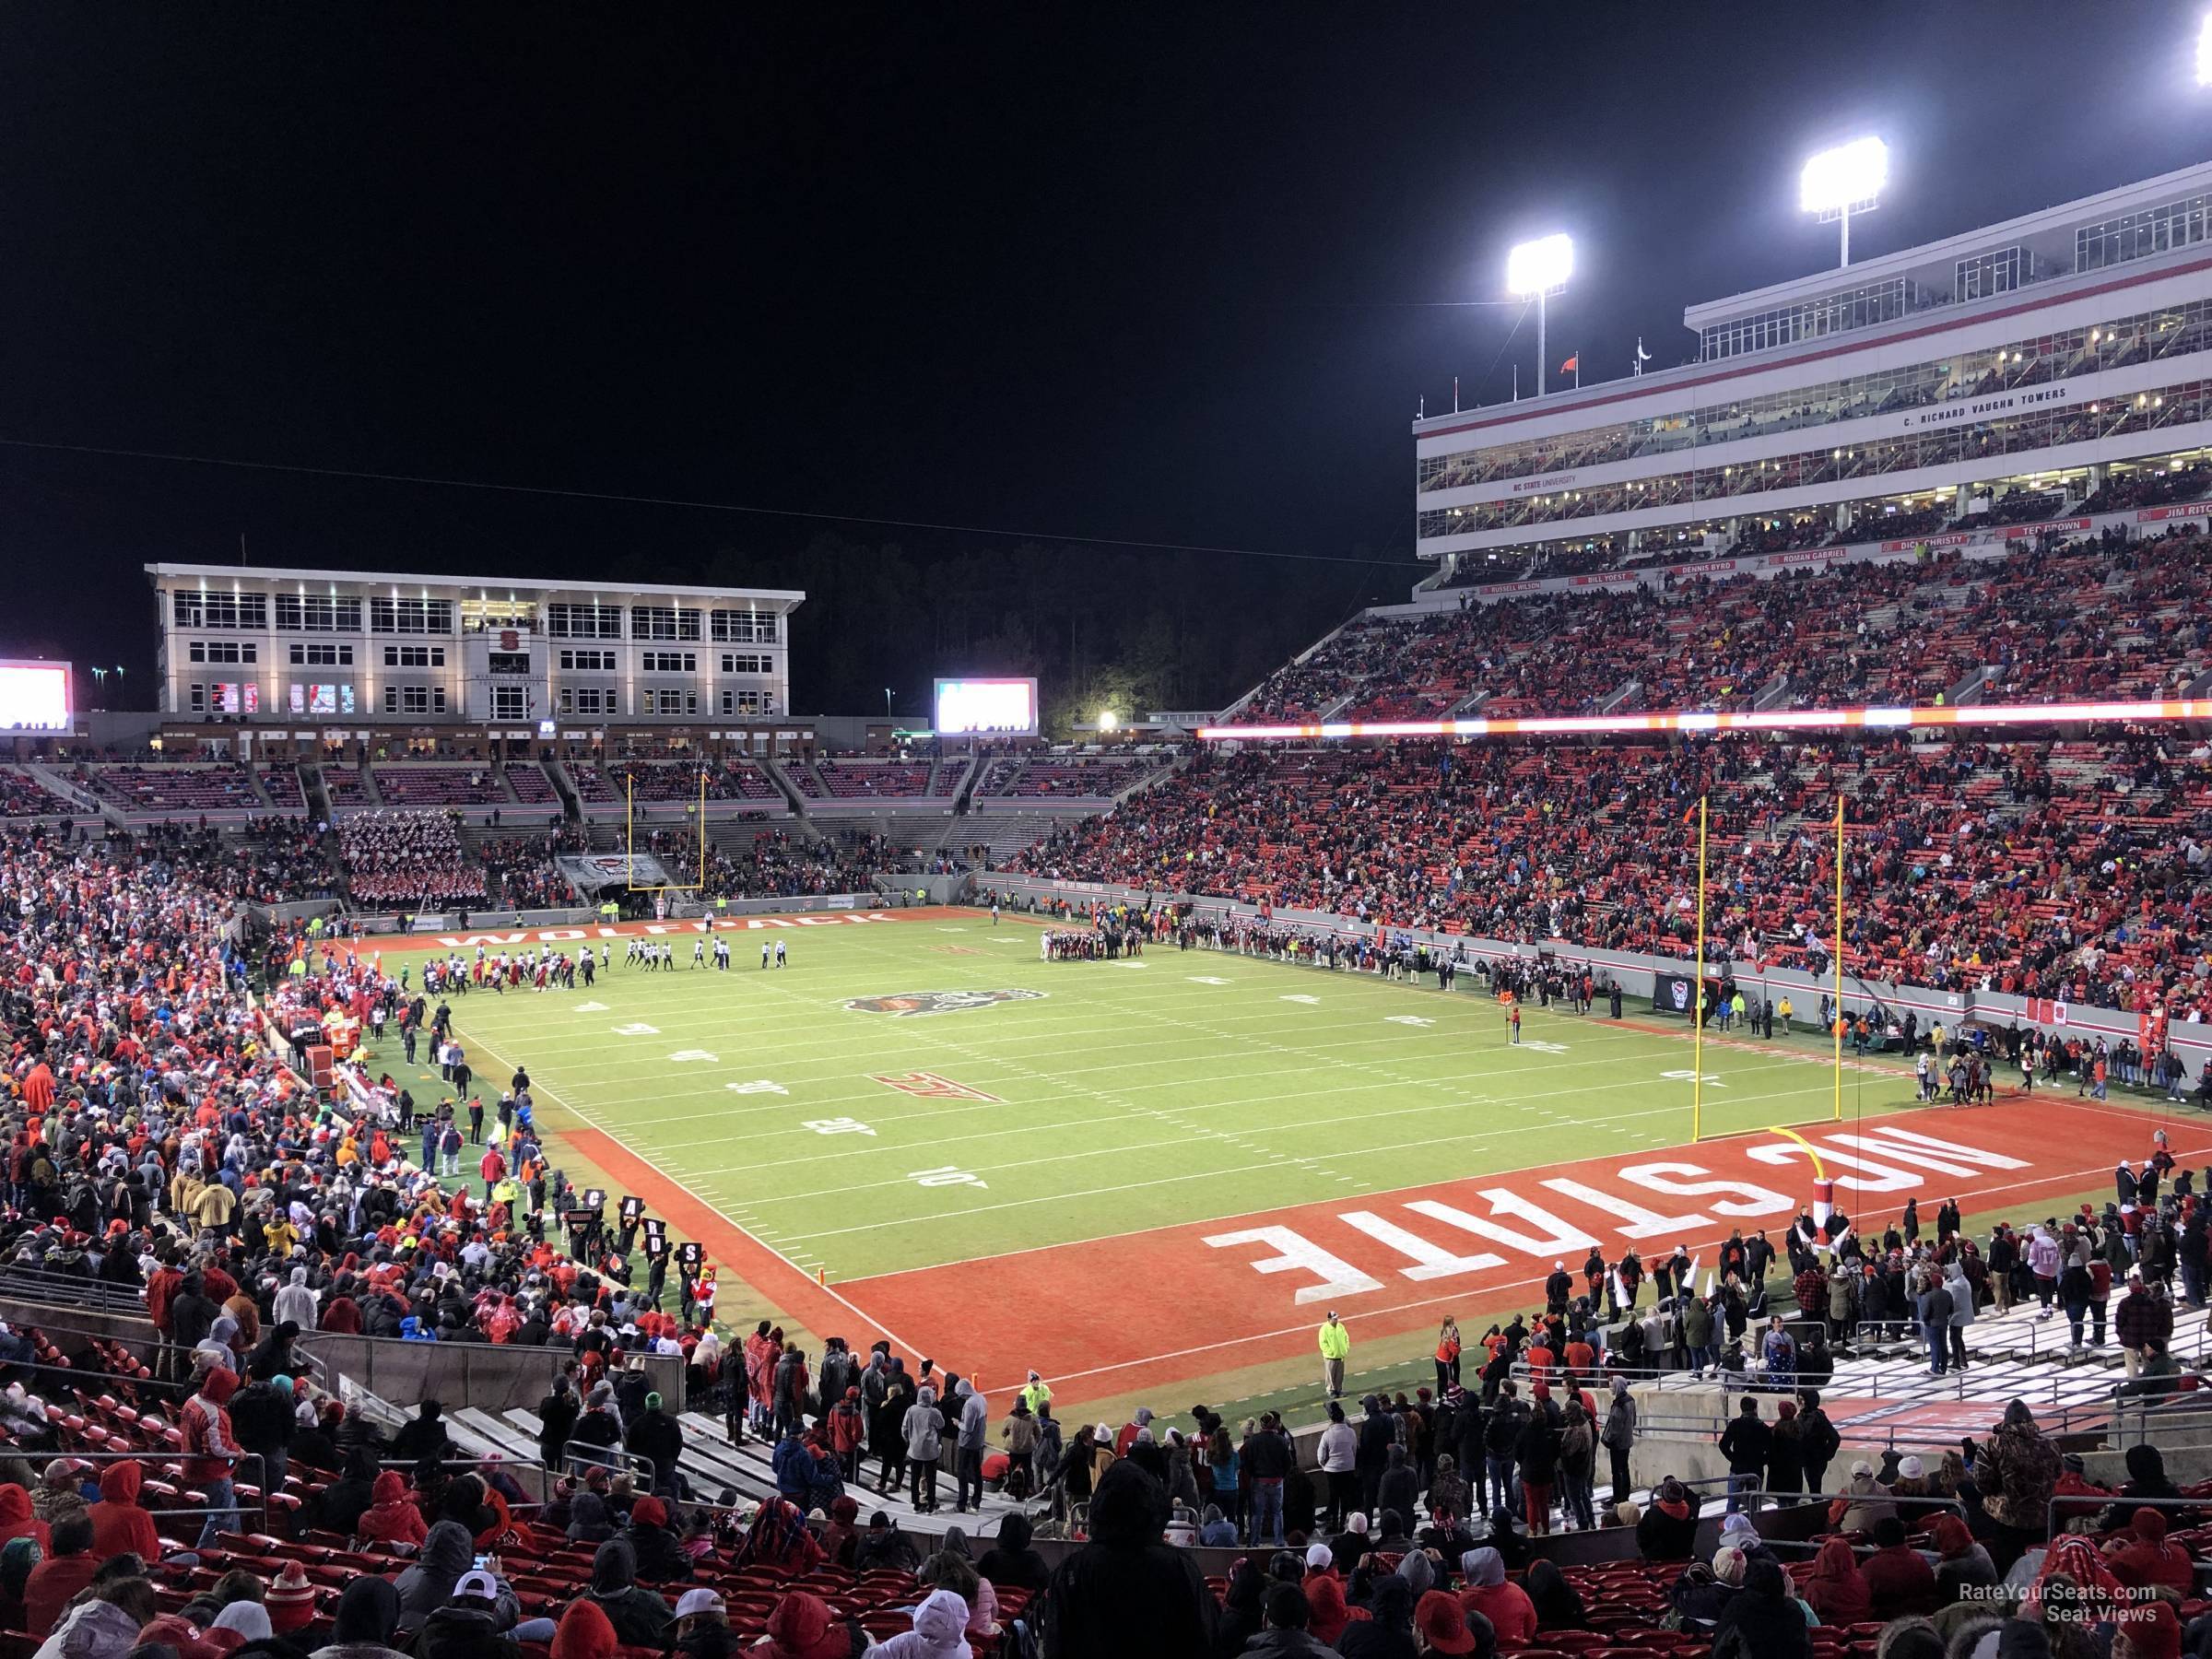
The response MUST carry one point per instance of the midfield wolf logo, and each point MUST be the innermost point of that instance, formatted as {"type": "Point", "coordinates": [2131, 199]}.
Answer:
{"type": "Point", "coordinates": [936, 1002]}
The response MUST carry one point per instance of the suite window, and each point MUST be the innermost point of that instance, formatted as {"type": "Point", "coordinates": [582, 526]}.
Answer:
{"type": "Point", "coordinates": [413, 656]}
{"type": "Point", "coordinates": [393, 615]}
{"type": "Point", "coordinates": [224, 651]}
{"type": "Point", "coordinates": [510, 702]}
{"type": "Point", "coordinates": [206, 608]}
{"type": "Point", "coordinates": [663, 622]}
{"type": "Point", "coordinates": [745, 628]}
{"type": "Point", "coordinates": [318, 613]}
{"type": "Point", "coordinates": [747, 661]}
{"type": "Point", "coordinates": [584, 621]}
{"type": "Point", "coordinates": [414, 700]}
{"type": "Point", "coordinates": [320, 657]}
{"type": "Point", "coordinates": [508, 662]}
{"type": "Point", "coordinates": [589, 662]}
{"type": "Point", "coordinates": [668, 662]}
{"type": "Point", "coordinates": [736, 701]}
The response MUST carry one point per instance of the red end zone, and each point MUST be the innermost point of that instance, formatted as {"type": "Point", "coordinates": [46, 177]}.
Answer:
{"type": "Point", "coordinates": [1145, 1310]}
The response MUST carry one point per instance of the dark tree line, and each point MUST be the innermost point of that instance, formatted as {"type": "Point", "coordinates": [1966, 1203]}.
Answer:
{"type": "Point", "coordinates": [1126, 631]}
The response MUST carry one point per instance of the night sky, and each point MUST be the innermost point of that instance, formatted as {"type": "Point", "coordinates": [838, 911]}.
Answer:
{"type": "Point", "coordinates": [1163, 273]}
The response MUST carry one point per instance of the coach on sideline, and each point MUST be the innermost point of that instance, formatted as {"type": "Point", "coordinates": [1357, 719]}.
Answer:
{"type": "Point", "coordinates": [1336, 1347]}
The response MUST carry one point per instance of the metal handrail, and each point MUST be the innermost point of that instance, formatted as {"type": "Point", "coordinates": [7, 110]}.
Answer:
{"type": "Point", "coordinates": [10, 1449]}
{"type": "Point", "coordinates": [606, 1457]}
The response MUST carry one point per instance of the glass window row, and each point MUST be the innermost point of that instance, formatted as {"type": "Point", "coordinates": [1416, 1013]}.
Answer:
{"type": "Point", "coordinates": [2138, 338]}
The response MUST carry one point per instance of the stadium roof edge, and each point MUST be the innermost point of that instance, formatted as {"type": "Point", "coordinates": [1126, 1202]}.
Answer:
{"type": "Point", "coordinates": [2125, 198]}
{"type": "Point", "coordinates": [491, 584]}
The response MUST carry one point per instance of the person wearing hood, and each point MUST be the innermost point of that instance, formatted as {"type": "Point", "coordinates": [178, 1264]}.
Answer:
{"type": "Point", "coordinates": [1667, 1530]}
{"type": "Point", "coordinates": [1558, 1607]}
{"type": "Point", "coordinates": [1242, 1608]}
{"type": "Point", "coordinates": [1010, 1563]}
{"type": "Point", "coordinates": [803, 1626]}
{"type": "Point", "coordinates": [973, 1437]}
{"type": "Point", "coordinates": [1399, 1488]}
{"type": "Point", "coordinates": [1327, 1610]}
{"type": "Point", "coordinates": [1378, 1432]}
{"type": "Point", "coordinates": [17, 1520]}
{"type": "Point", "coordinates": [210, 1449]}
{"type": "Point", "coordinates": [584, 1634]}
{"type": "Point", "coordinates": [119, 1521]}
{"type": "Point", "coordinates": [260, 1417]}
{"type": "Point", "coordinates": [18, 1557]}
{"type": "Point", "coordinates": [478, 1621]}
{"type": "Point", "coordinates": [272, 1357]}
{"type": "Point", "coordinates": [367, 1621]}
{"type": "Point", "coordinates": [1765, 1619]}
{"type": "Point", "coordinates": [1387, 1631]}
{"type": "Point", "coordinates": [1125, 1591]}
{"type": "Point", "coordinates": [1833, 1585]}
{"type": "Point", "coordinates": [1506, 1606]}
{"type": "Point", "coordinates": [428, 1585]}
{"type": "Point", "coordinates": [588, 1522]}
{"type": "Point", "coordinates": [940, 1630]}
{"type": "Point", "coordinates": [341, 1504]}
{"type": "Point", "coordinates": [105, 1625]}
{"type": "Point", "coordinates": [295, 1304]}
{"type": "Point", "coordinates": [2146, 1479]}
{"type": "Point", "coordinates": [392, 1517]}
{"type": "Point", "coordinates": [1962, 1311]}
{"type": "Point", "coordinates": [778, 1537]}
{"type": "Point", "coordinates": [639, 1616]}
{"type": "Point", "coordinates": [1959, 1561]}
{"type": "Point", "coordinates": [658, 1551]}
{"type": "Point", "coordinates": [922, 1428]}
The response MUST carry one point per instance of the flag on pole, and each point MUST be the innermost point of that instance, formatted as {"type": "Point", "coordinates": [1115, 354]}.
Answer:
{"type": "Point", "coordinates": [1572, 365]}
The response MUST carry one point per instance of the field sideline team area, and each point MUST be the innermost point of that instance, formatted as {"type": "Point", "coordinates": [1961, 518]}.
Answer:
{"type": "Point", "coordinates": [918, 1126]}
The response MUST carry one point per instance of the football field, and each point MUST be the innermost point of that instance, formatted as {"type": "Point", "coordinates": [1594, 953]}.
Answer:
{"type": "Point", "coordinates": [1166, 1167]}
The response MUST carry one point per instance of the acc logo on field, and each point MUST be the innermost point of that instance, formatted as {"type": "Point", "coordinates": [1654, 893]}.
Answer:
{"type": "Point", "coordinates": [936, 1002]}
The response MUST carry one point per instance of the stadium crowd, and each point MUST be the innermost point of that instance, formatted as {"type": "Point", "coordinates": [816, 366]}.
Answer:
{"type": "Point", "coordinates": [2071, 870]}
{"type": "Point", "coordinates": [156, 1147]}
{"type": "Point", "coordinates": [1911, 629]}
{"type": "Point", "coordinates": [407, 858]}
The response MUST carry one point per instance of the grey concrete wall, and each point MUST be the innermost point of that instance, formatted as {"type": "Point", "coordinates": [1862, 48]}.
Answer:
{"type": "Point", "coordinates": [493, 1377]}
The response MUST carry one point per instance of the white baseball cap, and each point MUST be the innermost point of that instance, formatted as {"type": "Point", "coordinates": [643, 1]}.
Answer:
{"type": "Point", "coordinates": [478, 1583]}
{"type": "Point", "coordinates": [699, 1601]}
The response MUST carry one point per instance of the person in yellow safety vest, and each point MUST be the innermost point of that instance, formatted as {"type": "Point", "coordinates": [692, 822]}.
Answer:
{"type": "Point", "coordinates": [1336, 1348]}
{"type": "Point", "coordinates": [506, 1191]}
{"type": "Point", "coordinates": [1035, 1393]}
{"type": "Point", "coordinates": [1782, 1010]}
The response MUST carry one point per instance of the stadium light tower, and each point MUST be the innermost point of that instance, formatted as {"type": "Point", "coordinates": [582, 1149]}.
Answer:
{"type": "Point", "coordinates": [1838, 183]}
{"type": "Point", "coordinates": [1536, 270]}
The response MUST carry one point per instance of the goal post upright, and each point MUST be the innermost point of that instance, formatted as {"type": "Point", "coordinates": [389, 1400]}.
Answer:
{"type": "Point", "coordinates": [1835, 1023]}
{"type": "Point", "coordinates": [1697, 997]}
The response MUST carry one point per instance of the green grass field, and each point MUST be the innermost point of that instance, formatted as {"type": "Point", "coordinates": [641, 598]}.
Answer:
{"type": "Point", "coordinates": [1184, 1086]}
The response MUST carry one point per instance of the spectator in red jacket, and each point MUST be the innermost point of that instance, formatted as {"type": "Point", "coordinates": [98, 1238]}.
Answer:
{"type": "Point", "coordinates": [119, 1521]}
{"type": "Point", "coordinates": [68, 1569]}
{"type": "Point", "coordinates": [18, 1522]}
{"type": "Point", "coordinates": [1900, 1583]}
{"type": "Point", "coordinates": [392, 1516]}
{"type": "Point", "coordinates": [2144, 1560]}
